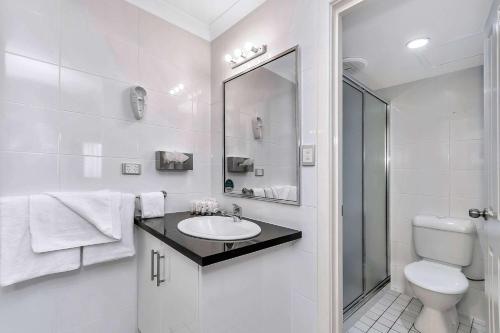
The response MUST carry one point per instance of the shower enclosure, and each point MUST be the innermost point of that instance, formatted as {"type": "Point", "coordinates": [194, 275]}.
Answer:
{"type": "Point", "coordinates": [365, 184]}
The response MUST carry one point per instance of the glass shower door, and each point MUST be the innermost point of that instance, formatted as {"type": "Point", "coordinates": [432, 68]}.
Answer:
{"type": "Point", "coordinates": [353, 193]}
{"type": "Point", "coordinates": [375, 189]}
{"type": "Point", "coordinates": [364, 187]}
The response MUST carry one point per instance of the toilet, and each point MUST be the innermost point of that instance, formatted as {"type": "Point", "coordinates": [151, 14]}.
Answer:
{"type": "Point", "coordinates": [445, 246]}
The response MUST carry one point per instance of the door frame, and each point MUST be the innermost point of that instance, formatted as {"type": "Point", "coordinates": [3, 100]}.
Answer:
{"type": "Point", "coordinates": [330, 309]}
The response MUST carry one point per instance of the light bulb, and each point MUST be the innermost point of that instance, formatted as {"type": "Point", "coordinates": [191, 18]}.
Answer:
{"type": "Point", "coordinates": [417, 43]}
{"type": "Point", "coordinates": [172, 92]}
{"type": "Point", "coordinates": [228, 58]}
{"type": "Point", "coordinates": [238, 53]}
{"type": "Point", "coordinates": [181, 86]}
{"type": "Point", "coordinates": [250, 47]}
{"type": "Point", "coordinates": [176, 89]}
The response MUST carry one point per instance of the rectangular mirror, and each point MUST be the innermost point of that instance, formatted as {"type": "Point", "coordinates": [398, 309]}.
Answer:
{"type": "Point", "coordinates": [262, 131]}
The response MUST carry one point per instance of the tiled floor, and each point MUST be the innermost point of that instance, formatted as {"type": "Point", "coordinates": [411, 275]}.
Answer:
{"type": "Point", "coordinates": [396, 313]}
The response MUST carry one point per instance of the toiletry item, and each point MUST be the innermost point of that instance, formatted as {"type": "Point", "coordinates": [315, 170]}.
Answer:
{"type": "Point", "coordinates": [152, 204]}
{"type": "Point", "coordinates": [207, 206]}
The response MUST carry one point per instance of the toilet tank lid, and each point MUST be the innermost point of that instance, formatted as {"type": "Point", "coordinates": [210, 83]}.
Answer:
{"type": "Point", "coordinates": [453, 224]}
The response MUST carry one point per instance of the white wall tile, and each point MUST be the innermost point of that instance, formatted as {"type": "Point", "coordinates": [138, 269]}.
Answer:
{"type": "Point", "coordinates": [26, 173]}
{"type": "Point", "coordinates": [28, 81]}
{"type": "Point", "coordinates": [28, 129]}
{"type": "Point", "coordinates": [30, 28]}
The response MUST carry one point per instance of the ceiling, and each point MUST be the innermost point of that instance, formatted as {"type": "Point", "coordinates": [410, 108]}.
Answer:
{"type": "Point", "coordinates": [377, 30]}
{"type": "Point", "coordinates": [205, 18]}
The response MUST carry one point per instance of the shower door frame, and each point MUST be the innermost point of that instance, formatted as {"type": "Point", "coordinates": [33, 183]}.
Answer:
{"type": "Point", "coordinates": [367, 294]}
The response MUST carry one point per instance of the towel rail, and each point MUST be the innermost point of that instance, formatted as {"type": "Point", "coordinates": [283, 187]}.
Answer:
{"type": "Point", "coordinates": [139, 205]}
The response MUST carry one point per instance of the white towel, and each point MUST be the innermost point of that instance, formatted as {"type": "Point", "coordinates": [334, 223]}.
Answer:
{"type": "Point", "coordinates": [100, 208]}
{"type": "Point", "coordinates": [269, 192]}
{"type": "Point", "coordinates": [259, 192]}
{"type": "Point", "coordinates": [125, 248]}
{"type": "Point", "coordinates": [18, 262]}
{"type": "Point", "coordinates": [152, 205]}
{"type": "Point", "coordinates": [292, 194]}
{"type": "Point", "coordinates": [55, 226]}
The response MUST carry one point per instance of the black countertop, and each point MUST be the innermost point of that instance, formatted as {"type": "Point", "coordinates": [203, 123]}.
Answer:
{"type": "Point", "coordinates": [206, 252]}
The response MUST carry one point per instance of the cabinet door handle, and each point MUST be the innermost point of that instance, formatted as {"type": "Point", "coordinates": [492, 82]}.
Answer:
{"type": "Point", "coordinates": [159, 280]}
{"type": "Point", "coordinates": [153, 275]}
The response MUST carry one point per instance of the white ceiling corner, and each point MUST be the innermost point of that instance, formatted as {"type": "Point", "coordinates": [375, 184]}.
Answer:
{"type": "Point", "coordinates": [205, 18]}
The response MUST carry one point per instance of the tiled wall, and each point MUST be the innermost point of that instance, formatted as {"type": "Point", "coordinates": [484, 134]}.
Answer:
{"type": "Point", "coordinates": [66, 124]}
{"type": "Point", "coordinates": [281, 24]}
{"type": "Point", "coordinates": [437, 161]}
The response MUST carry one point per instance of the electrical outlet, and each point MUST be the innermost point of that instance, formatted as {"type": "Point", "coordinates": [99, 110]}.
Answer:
{"type": "Point", "coordinates": [131, 169]}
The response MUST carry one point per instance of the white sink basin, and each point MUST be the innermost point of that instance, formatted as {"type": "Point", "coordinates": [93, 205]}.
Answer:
{"type": "Point", "coordinates": [218, 228]}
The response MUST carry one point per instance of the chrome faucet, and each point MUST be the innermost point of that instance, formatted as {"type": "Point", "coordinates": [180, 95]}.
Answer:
{"type": "Point", "coordinates": [237, 213]}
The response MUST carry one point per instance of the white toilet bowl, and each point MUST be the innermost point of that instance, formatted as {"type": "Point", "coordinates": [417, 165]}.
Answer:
{"type": "Point", "coordinates": [439, 287]}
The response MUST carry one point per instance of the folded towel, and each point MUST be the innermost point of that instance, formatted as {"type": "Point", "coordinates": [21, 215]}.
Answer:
{"type": "Point", "coordinates": [281, 191]}
{"type": "Point", "coordinates": [100, 208]}
{"type": "Point", "coordinates": [18, 262]}
{"type": "Point", "coordinates": [292, 194]}
{"type": "Point", "coordinates": [259, 192]}
{"type": "Point", "coordinates": [55, 226]}
{"type": "Point", "coordinates": [269, 192]}
{"type": "Point", "coordinates": [152, 205]}
{"type": "Point", "coordinates": [112, 251]}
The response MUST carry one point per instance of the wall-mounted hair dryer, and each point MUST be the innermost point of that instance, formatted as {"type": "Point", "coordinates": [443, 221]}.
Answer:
{"type": "Point", "coordinates": [257, 128]}
{"type": "Point", "coordinates": [138, 99]}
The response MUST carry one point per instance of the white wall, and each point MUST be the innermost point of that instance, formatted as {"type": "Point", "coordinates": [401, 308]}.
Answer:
{"type": "Point", "coordinates": [437, 162]}
{"type": "Point", "coordinates": [66, 124]}
{"type": "Point", "coordinates": [281, 24]}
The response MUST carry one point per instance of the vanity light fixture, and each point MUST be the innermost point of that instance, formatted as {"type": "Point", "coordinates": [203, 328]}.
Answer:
{"type": "Point", "coordinates": [240, 56]}
{"type": "Point", "coordinates": [177, 89]}
{"type": "Point", "coordinates": [417, 43]}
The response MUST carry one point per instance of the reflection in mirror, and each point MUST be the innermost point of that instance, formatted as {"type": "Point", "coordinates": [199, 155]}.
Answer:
{"type": "Point", "coordinates": [261, 132]}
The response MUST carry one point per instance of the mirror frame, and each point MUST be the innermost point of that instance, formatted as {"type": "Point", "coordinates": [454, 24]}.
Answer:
{"type": "Point", "coordinates": [297, 127]}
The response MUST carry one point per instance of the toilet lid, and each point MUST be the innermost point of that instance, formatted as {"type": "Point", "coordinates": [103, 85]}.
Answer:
{"type": "Point", "coordinates": [436, 277]}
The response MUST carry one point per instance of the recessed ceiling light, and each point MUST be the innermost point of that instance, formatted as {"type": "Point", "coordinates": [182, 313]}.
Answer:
{"type": "Point", "coordinates": [417, 43]}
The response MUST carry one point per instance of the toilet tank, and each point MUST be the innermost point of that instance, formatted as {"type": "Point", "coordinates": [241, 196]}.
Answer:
{"type": "Point", "coordinates": [446, 239]}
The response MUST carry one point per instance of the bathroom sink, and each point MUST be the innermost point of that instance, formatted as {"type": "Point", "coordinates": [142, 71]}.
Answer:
{"type": "Point", "coordinates": [218, 228]}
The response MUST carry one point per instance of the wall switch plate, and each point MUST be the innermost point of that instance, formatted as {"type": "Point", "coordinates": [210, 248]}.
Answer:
{"type": "Point", "coordinates": [259, 172]}
{"type": "Point", "coordinates": [131, 169]}
{"type": "Point", "coordinates": [308, 155]}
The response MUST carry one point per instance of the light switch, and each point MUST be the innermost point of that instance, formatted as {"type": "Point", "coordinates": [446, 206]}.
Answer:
{"type": "Point", "coordinates": [259, 172]}
{"type": "Point", "coordinates": [131, 169]}
{"type": "Point", "coordinates": [308, 155]}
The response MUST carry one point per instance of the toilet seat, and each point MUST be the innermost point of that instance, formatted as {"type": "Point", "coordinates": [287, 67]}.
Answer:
{"type": "Point", "coordinates": [436, 277]}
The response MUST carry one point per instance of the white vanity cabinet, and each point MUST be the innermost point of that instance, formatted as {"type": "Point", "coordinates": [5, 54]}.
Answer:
{"type": "Point", "coordinates": [168, 288]}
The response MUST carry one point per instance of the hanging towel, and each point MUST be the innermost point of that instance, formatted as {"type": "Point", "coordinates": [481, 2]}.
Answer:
{"type": "Point", "coordinates": [99, 208]}
{"type": "Point", "coordinates": [259, 192]}
{"type": "Point", "coordinates": [125, 248]}
{"type": "Point", "coordinates": [268, 192]}
{"type": "Point", "coordinates": [152, 205]}
{"type": "Point", "coordinates": [18, 262]}
{"type": "Point", "coordinates": [55, 226]}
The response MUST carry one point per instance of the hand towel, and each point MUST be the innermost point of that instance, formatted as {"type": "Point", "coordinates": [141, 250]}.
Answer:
{"type": "Point", "coordinates": [292, 194]}
{"type": "Point", "coordinates": [152, 205]}
{"type": "Point", "coordinates": [125, 247]}
{"type": "Point", "coordinates": [18, 262]}
{"type": "Point", "coordinates": [269, 192]}
{"type": "Point", "coordinates": [100, 208]}
{"type": "Point", "coordinates": [259, 192]}
{"type": "Point", "coordinates": [55, 226]}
